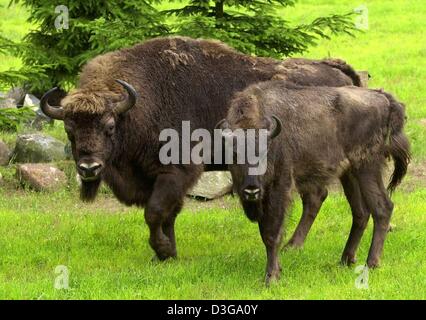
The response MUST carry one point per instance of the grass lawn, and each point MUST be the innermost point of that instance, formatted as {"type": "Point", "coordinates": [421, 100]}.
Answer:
{"type": "Point", "coordinates": [13, 25]}
{"type": "Point", "coordinates": [104, 245]}
{"type": "Point", "coordinates": [221, 256]}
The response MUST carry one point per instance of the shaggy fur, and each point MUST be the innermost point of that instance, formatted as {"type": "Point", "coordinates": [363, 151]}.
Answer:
{"type": "Point", "coordinates": [176, 79]}
{"type": "Point", "coordinates": [327, 133]}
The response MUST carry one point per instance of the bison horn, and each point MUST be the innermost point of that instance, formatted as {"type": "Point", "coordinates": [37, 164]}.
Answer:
{"type": "Point", "coordinates": [128, 103]}
{"type": "Point", "coordinates": [52, 112]}
{"type": "Point", "coordinates": [277, 126]}
{"type": "Point", "coordinates": [222, 124]}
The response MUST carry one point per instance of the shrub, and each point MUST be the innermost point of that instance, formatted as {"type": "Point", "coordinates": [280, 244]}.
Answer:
{"type": "Point", "coordinates": [11, 119]}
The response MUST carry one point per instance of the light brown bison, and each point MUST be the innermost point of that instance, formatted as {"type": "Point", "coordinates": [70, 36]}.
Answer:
{"type": "Point", "coordinates": [320, 134]}
{"type": "Point", "coordinates": [125, 98]}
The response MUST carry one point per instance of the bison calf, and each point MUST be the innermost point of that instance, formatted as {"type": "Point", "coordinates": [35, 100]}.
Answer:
{"type": "Point", "coordinates": [321, 133]}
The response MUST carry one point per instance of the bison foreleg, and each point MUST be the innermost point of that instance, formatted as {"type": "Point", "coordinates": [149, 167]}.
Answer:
{"type": "Point", "coordinates": [270, 226]}
{"type": "Point", "coordinates": [169, 226]}
{"type": "Point", "coordinates": [312, 201]}
{"type": "Point", "coordinates": [160, 213]}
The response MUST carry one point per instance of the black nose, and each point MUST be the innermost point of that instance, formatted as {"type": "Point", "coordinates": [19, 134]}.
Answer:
{"type": "Point", "coordinates": [89, 170]}
{"type": "Point", "coordinates": [251, 193]}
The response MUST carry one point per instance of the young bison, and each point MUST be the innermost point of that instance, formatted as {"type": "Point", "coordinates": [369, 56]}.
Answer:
{"type": "Point", "coordinates": [321, 133]}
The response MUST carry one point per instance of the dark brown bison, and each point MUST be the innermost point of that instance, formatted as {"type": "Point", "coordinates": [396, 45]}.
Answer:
{"type": "Point", "coordinates": [114, 125]}
{"type": "Point", "coordinates": [321, 133]}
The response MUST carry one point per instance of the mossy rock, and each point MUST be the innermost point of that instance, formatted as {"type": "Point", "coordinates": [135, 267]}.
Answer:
{"type": "Point", "coordinates": [38, 148]}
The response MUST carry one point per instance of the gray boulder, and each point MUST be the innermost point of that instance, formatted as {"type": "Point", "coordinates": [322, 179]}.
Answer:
{"type": "Point", "coordinates": [39, 120]}
{"type": "Point", "coordinates": [31, 101]}
{"type": "Point", "coordinates": [12, 99]}
{"type": "Point", "coordinates": [7, 103]}
{"type": "Point", "coordinates": [36, 148]}
{"type": "Point", "coordinates": [18, 95]}
{"type": "Point", "coordinates": [41, 177]}
{"type": "Point", "coordinates": [4, 154]}
{"type": "Point", "coordinates": [212, 185]}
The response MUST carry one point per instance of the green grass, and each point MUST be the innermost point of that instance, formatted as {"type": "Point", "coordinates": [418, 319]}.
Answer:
{"type": "Point", "coordinates": [14, 26]}
{"type": "Point", "coordinates": [221, 256]}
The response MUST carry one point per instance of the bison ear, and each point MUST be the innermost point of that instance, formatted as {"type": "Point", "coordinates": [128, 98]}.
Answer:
{"type": "Point", "coordinates": [275, 126]}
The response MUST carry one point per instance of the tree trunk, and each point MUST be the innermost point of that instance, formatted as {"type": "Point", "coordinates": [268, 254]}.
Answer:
{"type": "Point", "coordinates": [219, 9]}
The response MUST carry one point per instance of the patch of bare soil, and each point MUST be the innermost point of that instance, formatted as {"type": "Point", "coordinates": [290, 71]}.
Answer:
{"type": "Point", "coordinates": [416, 177]}
{"type": "Point", "coordinates": [105, 204]}
{"type": "Point", "coordinates": [227, 202]}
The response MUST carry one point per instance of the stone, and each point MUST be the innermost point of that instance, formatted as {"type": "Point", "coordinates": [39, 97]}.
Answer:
{"type": "Point", "coordinates": [4, 154]}
{"type": "Point", "coordinates": [31, 101]}
{"type": "Point", "coordinates": [212, 185]}
{"type": "Point", "coordinates": [38, 148]}
{"type": "Point", "coordinates": [39, 120]}
{"type": "Point", "coordinates": [41, 177]}
{"type": "Point", "coordinates": [7, 103]}
{"type": "Point", "coordinates": [18, 94]}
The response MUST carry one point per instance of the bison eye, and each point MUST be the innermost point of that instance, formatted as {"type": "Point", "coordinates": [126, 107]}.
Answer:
{"type": "Point", "coordinates": [110, 128]}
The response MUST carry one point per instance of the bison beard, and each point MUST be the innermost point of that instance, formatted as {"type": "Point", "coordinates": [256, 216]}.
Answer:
{"type": "Point", "coordinates": [89, 190]}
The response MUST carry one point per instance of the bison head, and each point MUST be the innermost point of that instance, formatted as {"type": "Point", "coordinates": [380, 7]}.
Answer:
{"type": "Point", "coordinates": [248, 185]}
{"type": "Point", "coordinates": [90, 120]}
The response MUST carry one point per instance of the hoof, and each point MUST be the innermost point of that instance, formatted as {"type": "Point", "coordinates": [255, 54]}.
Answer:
{"type": "Point", "coordinates": [292, 245]}
{"type": "Point", "coordinates": [157, 258]}
{"type": "Point", "coordinates": [163, 249]}
{"type": "Point", "coordinates": [348, 260]}
{"type": "Point", "coordinates": [373, 263]}
{"type": "Point", "coordinates": [273, 277]}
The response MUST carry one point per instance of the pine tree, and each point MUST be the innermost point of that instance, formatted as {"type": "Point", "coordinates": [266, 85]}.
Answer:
{"type": "Point", "coordinates": [53, 56]}
{"type": "Point", "coordinates": [253, 26]}
{"type": "Point", "coordinates": [94, 26]}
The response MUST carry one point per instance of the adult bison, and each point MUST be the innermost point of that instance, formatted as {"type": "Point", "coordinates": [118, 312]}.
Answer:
{"type": "Point", "coordinates": [316, 134]}
{"type": "Point", "coordinates": [126, 98]}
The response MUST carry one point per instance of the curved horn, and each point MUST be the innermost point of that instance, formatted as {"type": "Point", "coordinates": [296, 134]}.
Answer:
{"type": "Point", "coordinates": [128, 103]}
{"type": "Point", "coordinates": [276, 128]}
{"type": "Point", "coordinates": [52, 112]}
{"type": "Point", "coordinates": [222, 124]}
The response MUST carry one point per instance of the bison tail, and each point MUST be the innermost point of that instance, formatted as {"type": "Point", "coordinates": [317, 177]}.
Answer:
{"type": "Point", "coordinates": [345, 68]}
{"type": "Point", "coordinates": [399, 146]}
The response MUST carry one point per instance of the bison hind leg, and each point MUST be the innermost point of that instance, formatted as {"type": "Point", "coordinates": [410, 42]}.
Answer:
{"type": "Point", "coordinates": [379, 204]}
{"type": "Point", "coordinates": [360, 216]}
